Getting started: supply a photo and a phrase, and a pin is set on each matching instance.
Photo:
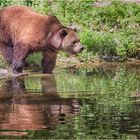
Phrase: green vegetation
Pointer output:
(111, 29)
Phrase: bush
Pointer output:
(111, 29)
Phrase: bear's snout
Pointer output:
(78, 48)
(81, 48)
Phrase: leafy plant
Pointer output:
(111, 29)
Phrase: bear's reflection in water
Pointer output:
(23, 109)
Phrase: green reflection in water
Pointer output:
(109, 104)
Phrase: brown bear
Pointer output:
(23, 31)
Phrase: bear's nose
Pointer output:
(82, 48)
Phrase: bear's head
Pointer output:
(67, 40)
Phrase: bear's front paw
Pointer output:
(17, 70)
(17, 67)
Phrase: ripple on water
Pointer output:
(71, 105)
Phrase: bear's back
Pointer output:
(22, 24)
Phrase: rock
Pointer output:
(139, 55)
(4, 73)
(109, 58)
(102, 3)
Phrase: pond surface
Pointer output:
(97, 103)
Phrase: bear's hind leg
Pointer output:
(7, 52)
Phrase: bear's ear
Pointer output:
(63, 33)
(57, 38)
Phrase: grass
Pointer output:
(104, 30)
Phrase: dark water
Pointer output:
(72, 104)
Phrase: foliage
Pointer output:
(2, 62)
(111, 29)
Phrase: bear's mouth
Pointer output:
(74, 53)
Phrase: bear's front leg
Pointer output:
(19, 57)
(48, 61)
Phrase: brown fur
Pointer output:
(23, 31)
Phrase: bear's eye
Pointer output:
(74, 42)
(63, 33)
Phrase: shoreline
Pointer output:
(67, 63)
(74, 63)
